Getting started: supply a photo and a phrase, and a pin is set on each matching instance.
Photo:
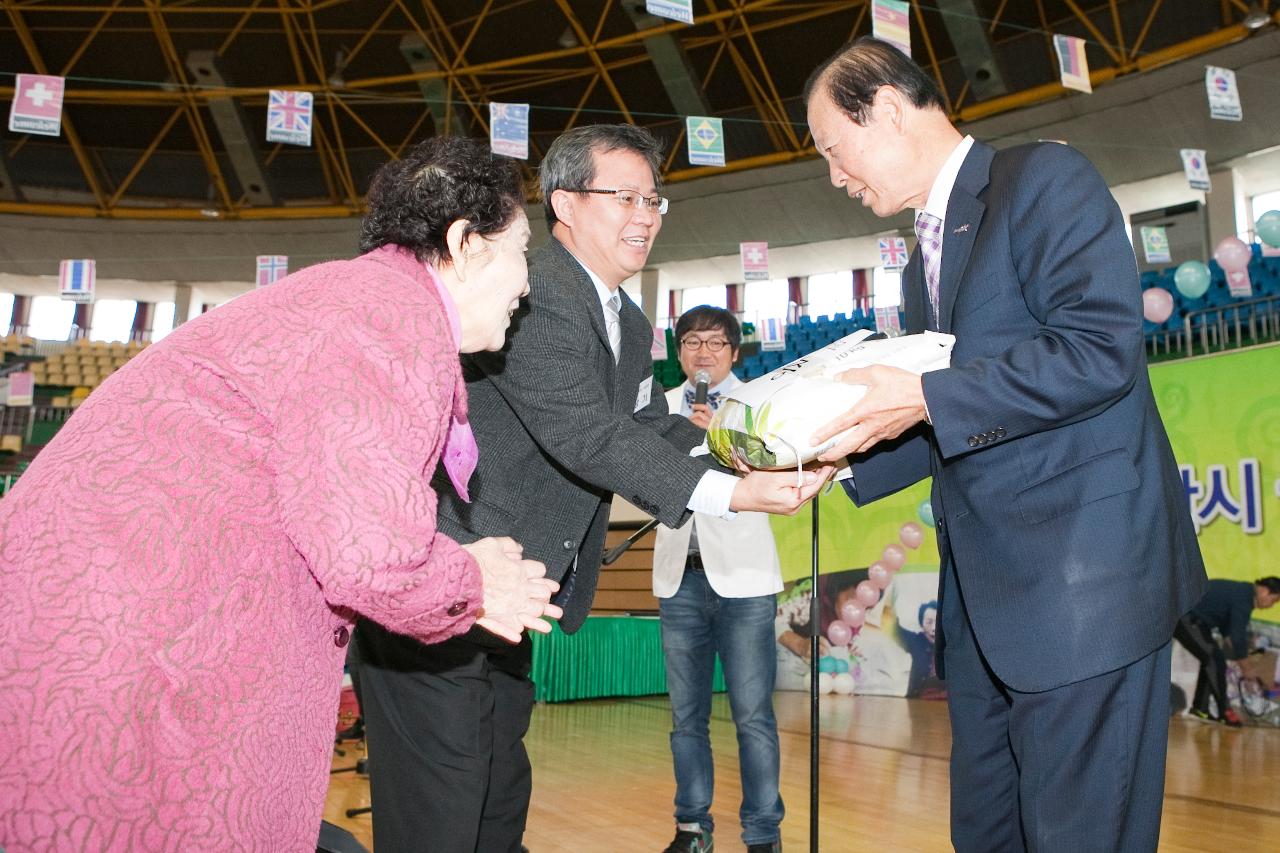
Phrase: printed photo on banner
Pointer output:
(37, 104)
(1224, 96)
(675, 10)
(705, 137)
(891, 22)
(1155, 244)
(1072, 63)
(755, 261)
(272, 268)
(289, 116)
(76, 279)
(1196, 168)
(509, 130)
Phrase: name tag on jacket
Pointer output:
(644, 395)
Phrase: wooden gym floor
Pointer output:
(602, 779)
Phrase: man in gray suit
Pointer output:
(564, 417)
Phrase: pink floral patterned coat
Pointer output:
(180, 567)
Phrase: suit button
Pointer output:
(569, 544)
(1000, 433)
(341, 636)
(973, 441)
(457, 608)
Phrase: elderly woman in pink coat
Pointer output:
(181, 567)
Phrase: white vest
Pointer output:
(739, 555)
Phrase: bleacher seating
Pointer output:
(1264, 274)
(803, 337)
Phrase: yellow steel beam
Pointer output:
(780, 112)
(755, 91)
(363, 126)
(146, 155)
(585, 39)
(933, 58)
(88, 40)
(1116, 27)
(235, 31)
(73, 138)
(1095, 32)
(1146, 25)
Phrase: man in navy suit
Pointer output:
(1066, 546)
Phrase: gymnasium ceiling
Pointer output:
(164, 112)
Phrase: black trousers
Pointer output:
(448, 770)
(1075, 769)
(1197, 638)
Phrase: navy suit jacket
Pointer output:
(1060, 507)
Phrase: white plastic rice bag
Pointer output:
(767, 422)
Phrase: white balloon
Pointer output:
(843, 683)
(824, 682)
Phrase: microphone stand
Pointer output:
(622, 547)
(815, 626)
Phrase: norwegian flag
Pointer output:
(76, 279)
(893, 252)
(272, 268)
(289, 116)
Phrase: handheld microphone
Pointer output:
(701, 380)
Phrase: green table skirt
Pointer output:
(607, 656)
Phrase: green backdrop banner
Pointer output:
(1222, 413)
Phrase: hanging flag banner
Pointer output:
(888, 319)
(659, 347)
(509, 130)
(1238, 283)
(773, 334)
(891, 22)
(22, 389)
(272, 268)
(289, 116)
(1072, 63)
(676, 10)
(37, 104)
(706, 140)
(893, 252)
(76, 280)
(1155, 244)
(1224, 96)
(1196, 167)
(755, 261)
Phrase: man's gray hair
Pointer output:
(569, 163)
(853, 74)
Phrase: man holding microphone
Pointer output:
(717, 581)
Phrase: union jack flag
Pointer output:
(272, 268)
(289, 117)
(893, 253)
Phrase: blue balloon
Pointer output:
(1191, 279)
(926, 511)
(841, 666)
(1269, 228)
(826, 663)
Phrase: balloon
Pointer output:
(824, 682)
(841, 666)
(1232, 253)
(826, 664)
(867, 593)
(925, 511)
(893, 557)
(842, 683)
(879, 575)
(839, 633)
(1269, 228)
(1191, 279)
(853, 614)
(1157, 304)
(911, 534)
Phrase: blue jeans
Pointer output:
(696, 624)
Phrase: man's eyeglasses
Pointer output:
(630, 198)
(695, 344)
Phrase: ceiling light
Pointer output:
(1255, 18)
(568, 39)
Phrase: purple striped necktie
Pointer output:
(929, 233)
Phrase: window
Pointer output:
(716, 296)
(6, 307)
(886, 287)
(1262, 203)
(51, 318)
(161, 320)
(112, 320)
(764, 299)
(831, 293)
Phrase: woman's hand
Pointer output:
(517, 592)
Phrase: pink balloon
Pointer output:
(1232, 253)
(911, 534)
(867, 593)
(894, 557)
(1157, 304)
(879, 575)
(853, 614)
(839, 633)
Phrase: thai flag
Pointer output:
(76, 280)
(272, 268)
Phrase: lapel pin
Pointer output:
(961, 229)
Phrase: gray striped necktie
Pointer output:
(929, 232)
(613, 324)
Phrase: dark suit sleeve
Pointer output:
(1238, 629)
(1077, 275)
(890, 467)
(549, 379)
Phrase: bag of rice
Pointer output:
(766, 423)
